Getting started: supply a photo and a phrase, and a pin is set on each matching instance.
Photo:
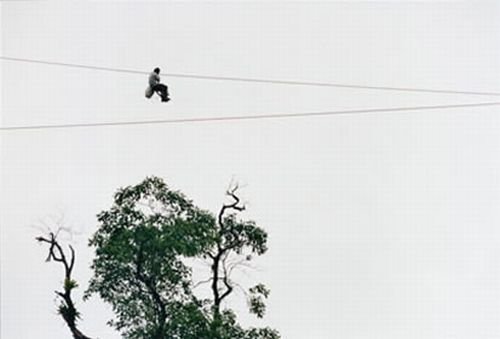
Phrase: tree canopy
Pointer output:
(143, 248)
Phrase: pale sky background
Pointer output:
(381, 225)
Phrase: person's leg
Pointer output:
(163, 91)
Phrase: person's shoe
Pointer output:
(165, 99)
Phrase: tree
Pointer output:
(234, 237)
(140, 265)
(66, 307)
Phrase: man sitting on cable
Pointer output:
(156, 87)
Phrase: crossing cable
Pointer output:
(255, 80)
(247, 117)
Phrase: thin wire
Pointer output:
(248, 117)
(255, 80)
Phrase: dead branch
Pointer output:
(67, 307)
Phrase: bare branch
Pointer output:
(199, 283)
(229, 288)
(226, 280)
(242, 263)
(241, 289)
(72, 258)
(232, 193)
(67, 308)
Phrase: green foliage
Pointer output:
(68, 312)
(262, 333)
(256, 300)
(230, 329)
(238, 235)
(70, 284)
(139, 265)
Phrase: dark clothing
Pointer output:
(162, 90)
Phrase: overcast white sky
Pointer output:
(381, 225)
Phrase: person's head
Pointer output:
(157, 70)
